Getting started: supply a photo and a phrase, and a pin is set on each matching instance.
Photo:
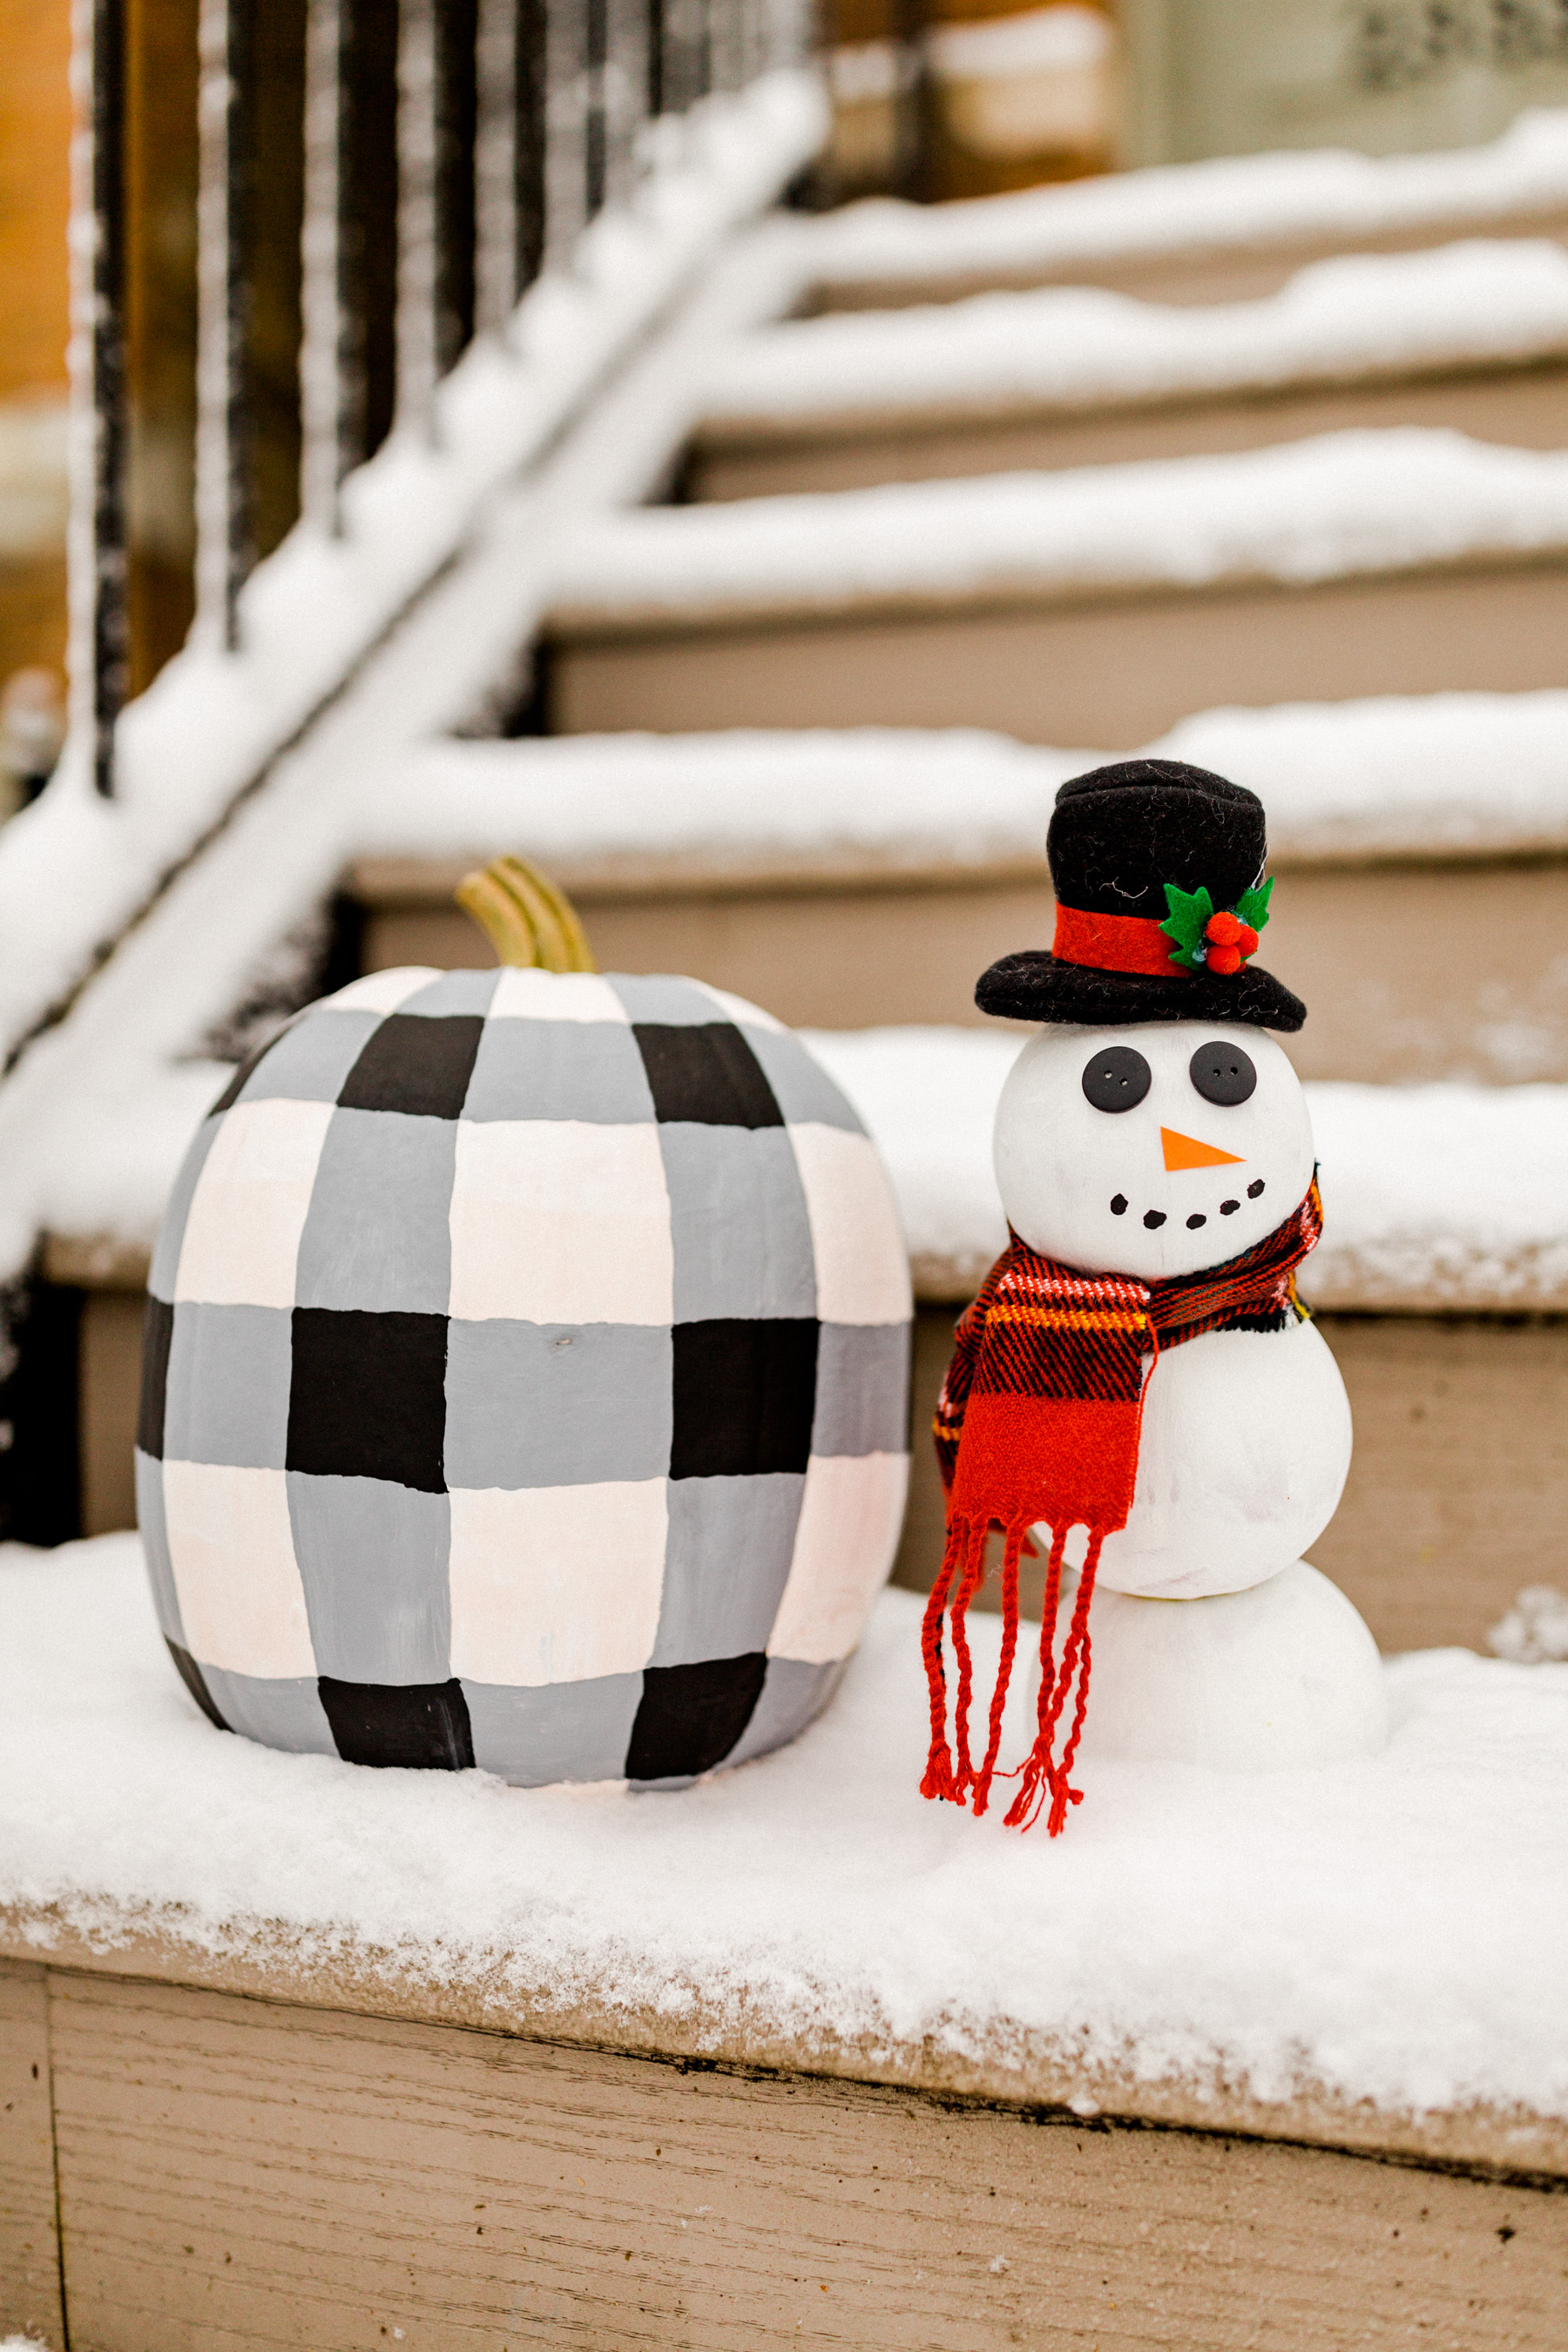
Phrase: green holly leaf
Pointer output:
(1185, 923)
(1252, 907)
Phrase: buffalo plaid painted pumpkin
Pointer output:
(526, 1372)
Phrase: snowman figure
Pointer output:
(1136, 1389)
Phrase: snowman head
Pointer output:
(1154, 1150)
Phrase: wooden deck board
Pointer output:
(1369, 948)
(243, 2173)
(29, 2245)
(743, 457)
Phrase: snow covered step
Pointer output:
(304, 2004)
(1442, 1279)
(1217, 231)
(847, 879)
(1441, 1283)
(1473, 337)
(1096, 606)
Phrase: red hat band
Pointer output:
(1115, 943)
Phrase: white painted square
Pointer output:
(241, 1601)
(241, 1242)
(556, 1584)
(383, 991)
(862, 1266)
(527, 996)
(845, 1541)
(560, 1221)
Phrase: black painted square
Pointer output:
(706, 1074)
(745, 1395)
(157, 1333)
(190, 1675)
(367, 1396)
(422, 1727)
(417, 1065)
(689, 1718)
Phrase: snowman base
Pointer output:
(1283, 1676)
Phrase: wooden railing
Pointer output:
(379, 182)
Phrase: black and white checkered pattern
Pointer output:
(526, 1375)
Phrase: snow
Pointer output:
(1535, 1629)
(1391, 1930)
(1074, 347)
(1232, 200)
(74, 870)
(1332, 505)
(1434, 1198)
(1424, 775)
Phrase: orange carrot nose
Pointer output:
(1186, 1151)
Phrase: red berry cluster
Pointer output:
(1230, 943)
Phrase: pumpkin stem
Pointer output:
(527, 919)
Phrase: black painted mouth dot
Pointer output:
(1228, 1208)
(1254, 1189)
(1194, 1223)
(1154, 1218)
(1118, 1206)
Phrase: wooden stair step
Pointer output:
(1471, 337)
(1091, 607)
(1370, 948)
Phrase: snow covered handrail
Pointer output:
(443, 154)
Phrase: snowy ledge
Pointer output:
(1359, 318)
(1231, 200)
(1332, 507)
(1368, 1957)
(1439, 1199)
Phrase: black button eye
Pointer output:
(1223, 1074)
(1116, 1079)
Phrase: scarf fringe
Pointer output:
(949, 1773)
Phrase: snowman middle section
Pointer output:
(1160, 1150)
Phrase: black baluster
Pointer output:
(109, 633)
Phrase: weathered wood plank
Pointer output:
(237, 2173)
(746, 458)
(1105, 671)
(29, 2245)
(1368, 948)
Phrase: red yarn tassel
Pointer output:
(973, 1575)
(1038, 1763)
(938, 1780)
(1078, 1652)
(1017, 1537)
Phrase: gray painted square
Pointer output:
(802, 1088)
(312, 1057)
(557, 1404)
(562, 1731)
(559, 1069)
(171, 1232)
(741, 1230)
(862, 1389)
(155, 1527)
(454, 991)
(373, 1558)
(377, 1236)
(725, 1565)
(279, 1713)
(658, 996)
(793, 1695)
(227, 1393)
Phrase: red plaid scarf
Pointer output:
(1038, 1420)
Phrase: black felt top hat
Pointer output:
(1158, 872)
